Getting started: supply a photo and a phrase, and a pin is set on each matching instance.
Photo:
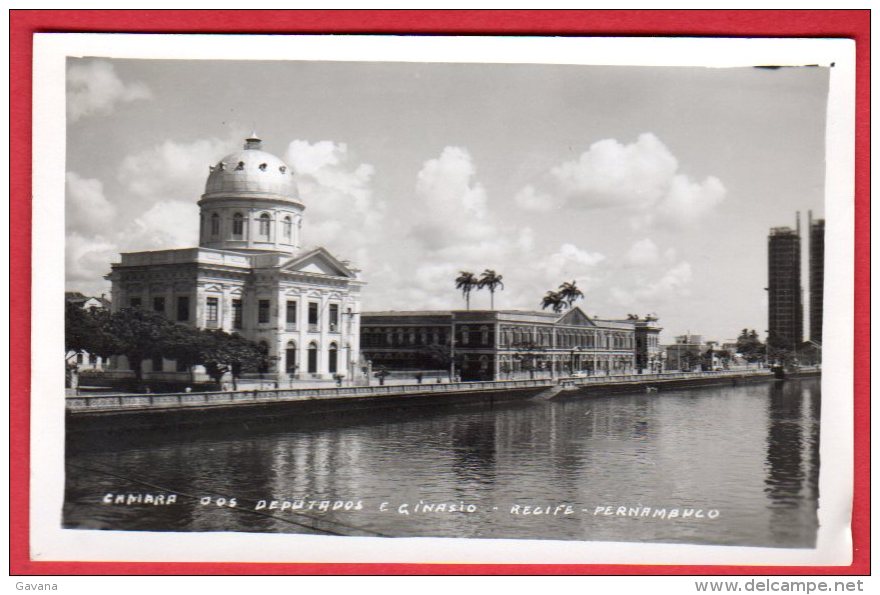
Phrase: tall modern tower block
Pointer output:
(786, 311)
(817, 276)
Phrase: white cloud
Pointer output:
(170, 170)
(674, 283)
(167, 224)
(645, 253)
(94, 88)
(87, 259)
(641, 177)
(531, 199)
(342, 212)
(453, 228)
(611, 173)
(159, 188)
(87, 209)
(452, 208)
(651, 292)
(688, 201)
(445, 185)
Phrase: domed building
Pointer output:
(250, 275)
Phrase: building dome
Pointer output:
(252, 173)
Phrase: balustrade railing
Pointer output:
(81, 403)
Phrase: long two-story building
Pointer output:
(499, 344)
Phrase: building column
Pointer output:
(324, 341)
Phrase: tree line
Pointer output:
(141, 335)
(558, 300)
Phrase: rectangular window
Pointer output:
(263, 311)
(159, 305)
(236, 315)
(313, 316)
(134, 302)
(157, 364)
(334, 318)
(212, 311)
(181, 367)
(183, 308)
(291, 315)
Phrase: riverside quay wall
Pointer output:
(126, 411)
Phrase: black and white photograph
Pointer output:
(562, 304)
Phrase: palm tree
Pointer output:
(570, 293)
(554, 300)
(466, 281)
(492, 280)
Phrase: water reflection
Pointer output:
(750, 452)
(792, 462)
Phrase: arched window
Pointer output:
(332, 359)
(265, 221)
(288, 228)
(465, 335)
(237, 226)
(290, 358)
(484, 335)
(313, 358)
(215, 225)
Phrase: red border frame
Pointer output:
(854, 24)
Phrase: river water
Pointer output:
(727, 465)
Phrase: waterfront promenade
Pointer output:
(154, 402)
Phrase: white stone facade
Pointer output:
(250, 276)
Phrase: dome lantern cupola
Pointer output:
(253, 142)
(251, 202)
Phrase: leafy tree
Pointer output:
(185, 345)
(553, 300)
(570, 292)
(492, 281)
(85, 330)
(466, 282)
(137, 334)
(221, 353)
(749, 345)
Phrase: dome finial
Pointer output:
(253, 141)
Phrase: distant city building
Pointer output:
(82, 360)
(250, 275)
(817, 276)
(499, 344)
(685, 352)
(785, 307)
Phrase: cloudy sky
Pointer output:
(653, 188)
